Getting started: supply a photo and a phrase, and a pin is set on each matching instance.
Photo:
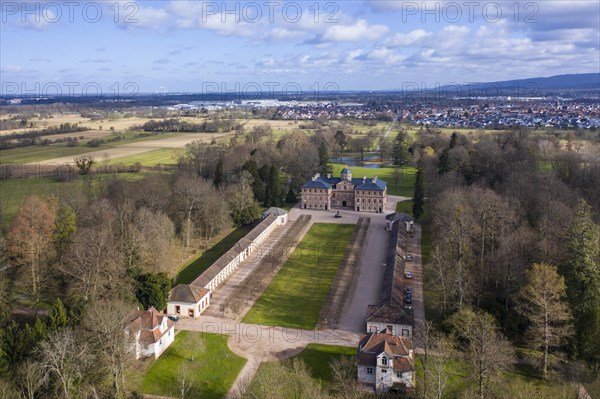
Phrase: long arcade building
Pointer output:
(190, 300)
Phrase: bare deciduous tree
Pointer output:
(112, 344)
(487, 349)
(30, 379)
(543, 303)
(64, 359)
(30, 237)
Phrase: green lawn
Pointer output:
(162, 156)
(14, 191)
(405, 185)
(196, 266)
(318, 358)
(295, 296)
(404, 207)
(204, 357)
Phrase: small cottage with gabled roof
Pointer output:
(386, 361)
(152, 332)
(189, 300)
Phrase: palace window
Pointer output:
(384, 361)
(369, 370)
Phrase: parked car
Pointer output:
(174, 318)
(408, 274)
(408, 299)
(408, 258)
(337, 215)
(409, 290)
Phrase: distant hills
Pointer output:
(533, 86)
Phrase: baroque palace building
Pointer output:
(361, 194)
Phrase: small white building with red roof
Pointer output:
(152, 331)
(386, 361)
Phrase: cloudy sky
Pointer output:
(196, 46)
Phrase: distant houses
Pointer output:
(191, 300)
(361, 194)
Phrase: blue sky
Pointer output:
(194, 46)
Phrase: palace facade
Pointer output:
(361, 194)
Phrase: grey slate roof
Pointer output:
(359, 183)
(391, 307)
(319, 183)
(399, 216)
(187, 293)
(275, 211)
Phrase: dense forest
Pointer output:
(513, 259)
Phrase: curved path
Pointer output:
(259, 343)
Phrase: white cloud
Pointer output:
(360, 30)
(413, 38)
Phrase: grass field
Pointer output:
(205, 358)
(13, 192)
(318, 358)
(295, 296)
(162, 156)
(196, 266)
(40, 153)
(405, 181)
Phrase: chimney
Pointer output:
(329, 175)
(375, 179)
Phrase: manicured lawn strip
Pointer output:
(318, 358)
(196, 266)
(406, 181)
(214, 367)
(295, 296)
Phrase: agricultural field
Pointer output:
(127, 146)
(206, 361)
(295, 296)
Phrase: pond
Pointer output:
(370, 161)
